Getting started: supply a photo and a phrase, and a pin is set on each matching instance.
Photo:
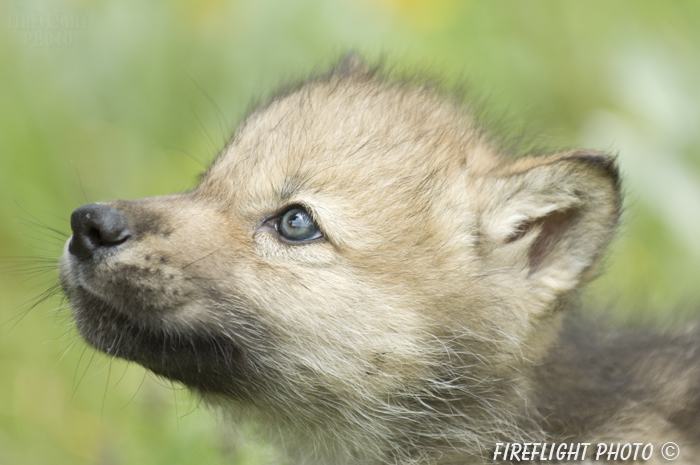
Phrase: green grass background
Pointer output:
(138, 96)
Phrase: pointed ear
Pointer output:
(547, 220)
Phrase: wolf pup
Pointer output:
(365, 274)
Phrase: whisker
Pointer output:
(143, 379)
(77, 367)
(104, 395)
(33, 303)
(80, 182)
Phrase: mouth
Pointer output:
(193, 356)
(131, 302)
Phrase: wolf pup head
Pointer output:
(360, 267)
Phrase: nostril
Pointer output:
(97, 227)
(93, 234)
(106, 237)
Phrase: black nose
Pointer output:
(96, 227)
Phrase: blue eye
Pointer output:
(296, 224)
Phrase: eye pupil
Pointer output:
(296, 224)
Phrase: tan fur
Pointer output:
(424, 327)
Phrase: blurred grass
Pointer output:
(139, 96)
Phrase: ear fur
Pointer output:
(547, 220)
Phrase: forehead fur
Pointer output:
(355, 119)
(348, 141)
